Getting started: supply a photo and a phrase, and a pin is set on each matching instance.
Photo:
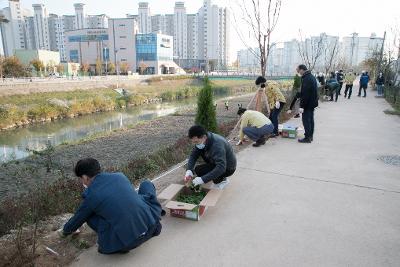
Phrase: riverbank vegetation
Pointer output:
(20, 110)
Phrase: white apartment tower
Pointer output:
(144, 17)
(30, 32)
(80, 16)
(192, 37)
(54, 21)
(158, 24)
(41, 23)
(213, 29)
(356, 49)
(180, 31)
(13, 28)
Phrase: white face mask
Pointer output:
(201, 146)
(85, 186)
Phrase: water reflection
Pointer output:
(13, 143)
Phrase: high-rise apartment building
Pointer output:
(144, 17)
(41, 24)
(13, 28)
(180, 31)
(80, 16)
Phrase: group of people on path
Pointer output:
(334, 84)
(124, 218)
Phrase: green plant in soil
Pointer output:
(206, 115)
(193, 198)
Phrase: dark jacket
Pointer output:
(380, 80)
(121, 215)
(217, 152)
(309, 91)
(364, 79)
(332, 84)
(340, 77)
(321, 79)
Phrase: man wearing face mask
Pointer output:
(122, 218)
(217, 153)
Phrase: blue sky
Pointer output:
(339, 17)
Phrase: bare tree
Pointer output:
(310, 50)
(261, 18)
(331, 52)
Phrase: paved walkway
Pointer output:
(329, 203)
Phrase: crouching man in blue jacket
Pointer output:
(122, 218)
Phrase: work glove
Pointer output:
(239, 143)
(301, 110)
(197, 181)
(277, 105)
(61, 233)
(188, 176)
(289, 111)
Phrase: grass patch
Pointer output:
(392, 112)
(17, 110)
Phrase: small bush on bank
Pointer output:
(206, 114)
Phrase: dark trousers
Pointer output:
(364, 87)
(308, 123)
(146, 189)
(203, 169)
(334, 92)
(275, 116)
(349, 89)
(255, 133)
(340, 87)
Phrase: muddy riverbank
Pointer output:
(112, 150)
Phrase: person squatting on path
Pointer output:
(340, 79)
(333, 86)
(380, 81)
(217, 153)
(350, 78)
(308, 102)
(276, 101)
(122, 218)
(364, 80)
(254, 125)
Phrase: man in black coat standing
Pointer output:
(308, 102)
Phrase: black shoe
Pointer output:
(262, 140)
(358, 95)
(259, 142)
(365, 96)
(273, 135)
(305, 140)
(297, 115)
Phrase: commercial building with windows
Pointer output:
(154, 54)
(86, 46)
(122, 48)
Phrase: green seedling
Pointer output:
(194, 198)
